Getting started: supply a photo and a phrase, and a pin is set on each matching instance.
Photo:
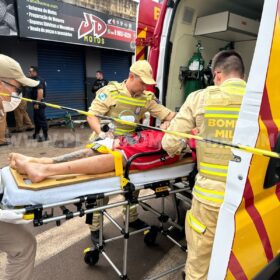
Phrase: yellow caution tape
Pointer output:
(175, 133)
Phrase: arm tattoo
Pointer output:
(73, 156)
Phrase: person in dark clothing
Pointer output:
(23, 121)
(39, 93)
(99, 82)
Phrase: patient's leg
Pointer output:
(16, 156)
(37, 172)
(84, 153)
(63, 158)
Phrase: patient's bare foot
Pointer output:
(16, 156)
(34, 171)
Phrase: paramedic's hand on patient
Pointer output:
(165, 125)
(167, 120)
(10, 216)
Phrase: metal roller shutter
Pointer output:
(115, 65)
(63, 69)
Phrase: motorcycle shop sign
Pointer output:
(62, 22)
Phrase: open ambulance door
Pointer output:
(247, 240)
(247, 236)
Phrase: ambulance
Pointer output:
(187, 35)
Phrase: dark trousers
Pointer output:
(40, 121)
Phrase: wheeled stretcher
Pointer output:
(168, 180)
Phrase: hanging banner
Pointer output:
(8, 25)
(57, 21)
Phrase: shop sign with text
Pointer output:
(57, 21)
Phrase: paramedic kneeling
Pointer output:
(214, 112)
(128, 101)
(15, 240)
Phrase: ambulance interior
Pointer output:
(215, 24)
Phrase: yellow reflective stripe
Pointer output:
(120, 131)
(221, 116)
(225, 167)
(130, 101)
(195, 224)
(224, 112)
(213, 169)
(213, 173)
(207, 194)
(222, 108)
(124, 130)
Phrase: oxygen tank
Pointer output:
(192, 74)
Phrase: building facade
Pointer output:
(69, 41)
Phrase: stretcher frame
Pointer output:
(86, 205)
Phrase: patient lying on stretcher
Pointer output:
(88, 161)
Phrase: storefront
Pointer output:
(69, 44)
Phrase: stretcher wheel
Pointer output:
(91, 256)
(150, 236)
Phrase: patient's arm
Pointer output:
(37, 172)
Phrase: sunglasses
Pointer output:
(18, 89)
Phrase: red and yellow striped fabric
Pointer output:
(256, 239)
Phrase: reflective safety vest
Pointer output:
(127, 108)
(221, 110)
